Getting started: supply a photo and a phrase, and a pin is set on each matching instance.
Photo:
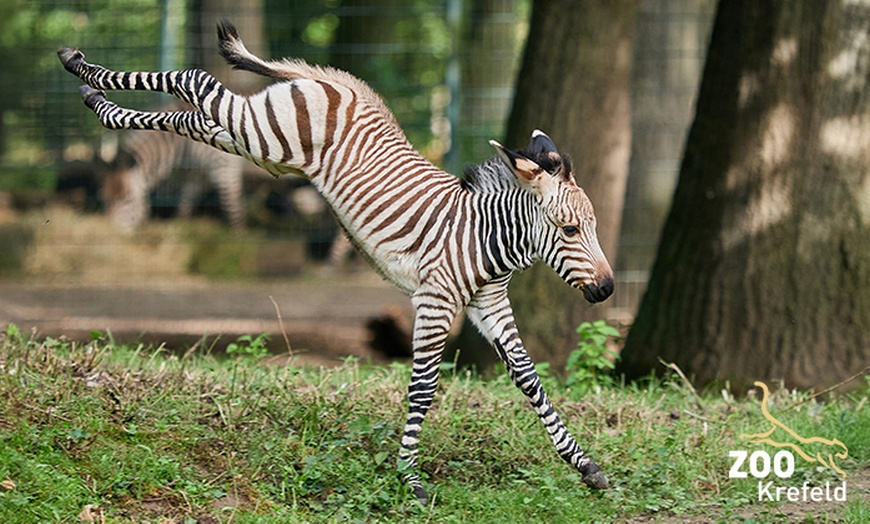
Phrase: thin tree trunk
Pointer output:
(365, 28)
(763, 271)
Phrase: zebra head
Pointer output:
(567, 240)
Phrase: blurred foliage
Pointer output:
(404, 58)
(40, 112)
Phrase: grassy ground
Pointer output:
(105, 432)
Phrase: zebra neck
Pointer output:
(510, 219)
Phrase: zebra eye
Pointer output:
(570, 230)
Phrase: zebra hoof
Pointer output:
(422, 496)
(70, 58)
(91, 96)
(596, 479)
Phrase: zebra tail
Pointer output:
(237, 55)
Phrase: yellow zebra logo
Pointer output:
(786, 437)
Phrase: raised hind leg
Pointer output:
(193, 86)
(211, 124)
(188, 85)
(190, 124)
(491, 312)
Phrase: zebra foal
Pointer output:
(449, 244)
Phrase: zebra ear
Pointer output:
(524, 168)
(540, 143)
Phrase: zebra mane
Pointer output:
(493, 176)
(490, 176)
(234, 51)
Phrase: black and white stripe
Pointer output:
(450, 244)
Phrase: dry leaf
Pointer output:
(91, 513)
(7, 485)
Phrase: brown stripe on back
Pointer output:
(357, 135)
(243, 121)
(286, 153)
(303, 122)
(334, 135)
(230, 118)
(333, 98)
(264, 146)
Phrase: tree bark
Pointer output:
(763, 271)
(574, 84)
(670, 47)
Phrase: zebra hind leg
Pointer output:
(186, 85)
(189, 86)
(189, 124)
(95, 100)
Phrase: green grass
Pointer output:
(148, 436)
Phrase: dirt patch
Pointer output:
(325, 317)
(68, 245)
(78, 274)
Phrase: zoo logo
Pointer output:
(781, 436)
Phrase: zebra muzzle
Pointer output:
(595, 292)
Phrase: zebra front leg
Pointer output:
(491, 312)
(431, 326)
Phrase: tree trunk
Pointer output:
(763, 271)
(669, 51)
(574, 84)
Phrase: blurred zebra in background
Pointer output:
(147, 159)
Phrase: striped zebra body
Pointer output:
(154, 157)
(449, 244)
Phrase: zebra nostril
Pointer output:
(598, 292)
(606, 287)
(590, 293)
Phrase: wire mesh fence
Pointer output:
(445, 67)
(670, 49)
